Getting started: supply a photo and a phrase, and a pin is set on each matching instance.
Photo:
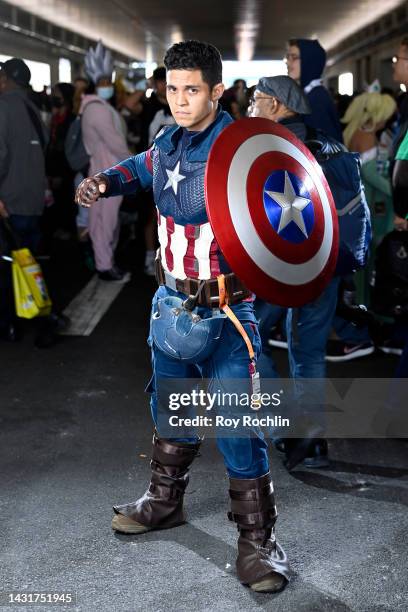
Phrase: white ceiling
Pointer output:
(143, 29)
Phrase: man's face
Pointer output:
(191, 102)
(400, 66)
(260, 105)
(293, 62)
(80, 85)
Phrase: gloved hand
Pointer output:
(90, 190)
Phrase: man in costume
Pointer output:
(190, 259)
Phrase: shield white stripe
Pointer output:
(274, 267)
(202, 250)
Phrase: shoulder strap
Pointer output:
(35, 120)
(89, 104)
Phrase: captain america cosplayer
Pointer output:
(191, 262)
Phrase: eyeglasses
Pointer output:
(398, 57)
(253, 100)
(291, 57)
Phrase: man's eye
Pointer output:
(193, 90)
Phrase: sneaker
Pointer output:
(391, 348)
(114, 275)
(306, 452)
(277, 339)
(150, 268)
(337, 350)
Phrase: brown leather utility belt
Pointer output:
(209, 295)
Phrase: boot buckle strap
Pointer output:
(252, 494)
(253, 519)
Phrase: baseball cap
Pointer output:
(287, 91)
(17, 70)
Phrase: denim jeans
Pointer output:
(27, 230)
(244, 456)
(308, 329)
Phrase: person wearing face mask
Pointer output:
(104, 139)
(60, 217)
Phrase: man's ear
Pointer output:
(275, 105)
(217, 91)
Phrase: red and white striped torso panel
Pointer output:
(188, 250)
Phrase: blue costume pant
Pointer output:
(244, 456)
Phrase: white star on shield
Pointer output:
(174, 177)
(292, 206)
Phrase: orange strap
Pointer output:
(223, 297)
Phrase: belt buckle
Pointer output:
(170, 281)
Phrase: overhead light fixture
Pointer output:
(246, 30)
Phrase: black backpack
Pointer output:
(75, 151)
(342, 171)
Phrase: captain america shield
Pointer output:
(271, 211)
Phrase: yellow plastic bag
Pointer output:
(30, 291)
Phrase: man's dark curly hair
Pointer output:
(196, 55)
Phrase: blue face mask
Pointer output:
(105, 92)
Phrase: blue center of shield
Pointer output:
(288, 206)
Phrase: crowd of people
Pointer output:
(83, 127)
(98, 145)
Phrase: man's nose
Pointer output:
(181, 99)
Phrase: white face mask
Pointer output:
(105, 92)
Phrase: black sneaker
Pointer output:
(306, 452)
(391, 348)
(114, 275)
(337, 350)
(318, 455)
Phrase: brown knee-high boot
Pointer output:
(262, 563)
(161, 506)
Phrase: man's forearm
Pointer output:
(128, 176)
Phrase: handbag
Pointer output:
(30, 291)
(182, 333)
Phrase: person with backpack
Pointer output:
(281, 99)
(104, 139)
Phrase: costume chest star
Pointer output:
(178, 187)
